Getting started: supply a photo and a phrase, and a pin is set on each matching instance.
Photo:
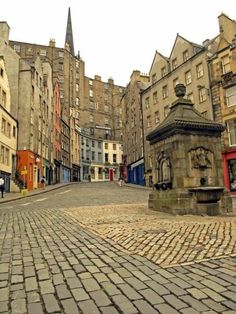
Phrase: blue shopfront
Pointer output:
(136, 172)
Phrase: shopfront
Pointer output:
(229, 168)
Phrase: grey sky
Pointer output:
(116, 37)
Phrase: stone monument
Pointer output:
(187, 162)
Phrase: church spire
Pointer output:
(69, 34)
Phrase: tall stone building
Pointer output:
(85, 102)
(222, 66)
(186, 64)
(101, 110)
(8, 131)
(133, 140)
(30, 82)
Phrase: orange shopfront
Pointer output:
(29, 167)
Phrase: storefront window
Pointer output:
(232, 174)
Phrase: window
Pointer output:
(91, 118)
(163, 71)
(106, 145)
(154, 78)
(157, 117)
(3, 128)
(8, 130)
(93, 143)
(202, 94)
(148, 121)
(43, 52)
(4, 98)
(147, 102)
(106, 108)
(106, 157)
(175, 82)
(114, 146)
(230, 94)
(93, 155)
(231, 128)
(174, 64)
(17, 48)
(90, 82)
(61, 54)
(1, 72)
(114, 158)
(164, 92)
(225, 64)
(188, 77)
(77, 87)
(100, 145)
(2, 154)
(91, 105)
(199, 69)
(106, 121)
(77, 101)
(90, 93)
(99, 157)
(185, 55)
(154, 97)
(14, 131)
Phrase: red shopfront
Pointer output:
(229, 169)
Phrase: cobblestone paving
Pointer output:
(162, 238)
(50, 264)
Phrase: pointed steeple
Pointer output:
(69, 34)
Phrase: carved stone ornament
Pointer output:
(200, 158)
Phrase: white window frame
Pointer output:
(231, 130)
(230, 95)
(225, 62)
(188, 77)
(200, 70)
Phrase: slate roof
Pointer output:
(184, 118)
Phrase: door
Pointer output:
(111, 174)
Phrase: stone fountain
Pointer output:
(187, 162)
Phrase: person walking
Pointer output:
(43, 181)
(2, 187)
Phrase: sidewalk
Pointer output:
(12, 196)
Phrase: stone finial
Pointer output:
(180, 90)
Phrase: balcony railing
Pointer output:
(228, 79)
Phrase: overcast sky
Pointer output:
(115, 37)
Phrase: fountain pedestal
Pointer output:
(187, 162)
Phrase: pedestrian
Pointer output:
(120, 181)
(2, 187)
(43, 182)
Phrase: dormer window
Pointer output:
(163, 71)
(174, 64)
(185, 55)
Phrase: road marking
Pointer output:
(64, 192)
(41, 199)
(25, 204)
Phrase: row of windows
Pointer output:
(188, 76)
(92, 155)
(165, 92)
(7, 129)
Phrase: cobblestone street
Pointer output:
(113, 258)
(160, 237)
